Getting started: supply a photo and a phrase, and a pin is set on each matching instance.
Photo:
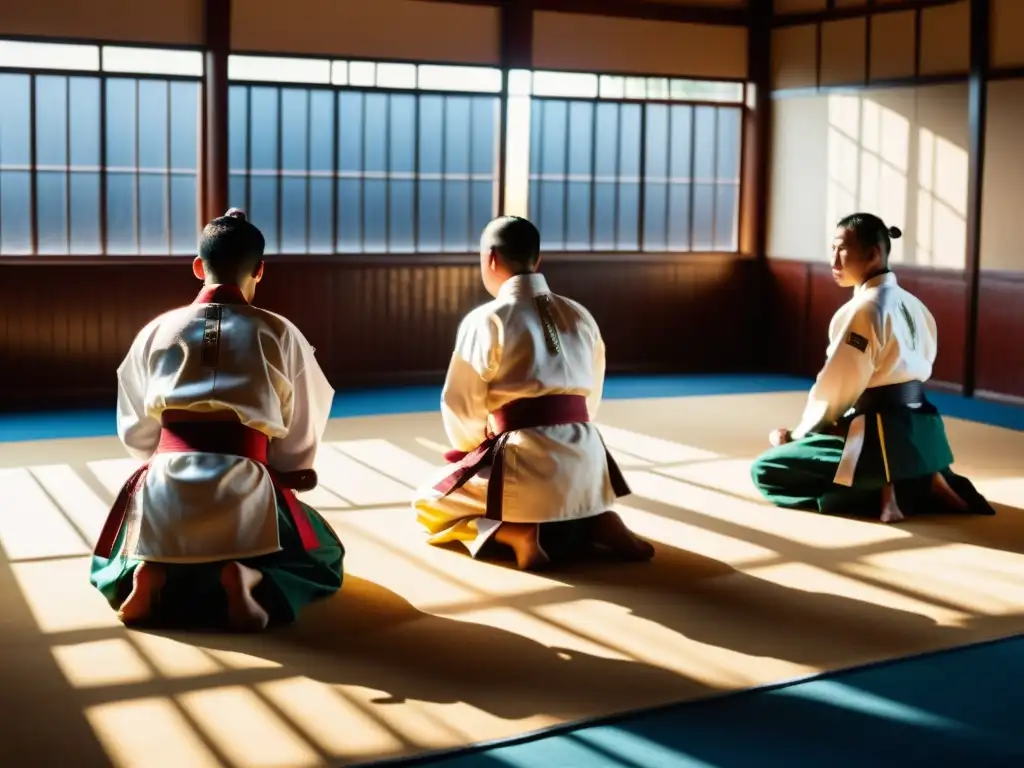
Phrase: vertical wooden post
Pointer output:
(217, 44)
(756, 133)
(754, 176)
(977, 99)
(516, 40)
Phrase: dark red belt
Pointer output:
(527, 413)
(185, 432)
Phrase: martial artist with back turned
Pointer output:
(869, 440)
(226, 404)
(529, 468)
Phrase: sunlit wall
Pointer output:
(844, 140)
(899, 153)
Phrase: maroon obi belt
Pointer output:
(185, 432)
(527, 413)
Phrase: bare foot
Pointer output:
(147, 581)
(891, 512)
(244, 613)
(941, 489)
(524, 540)
(608, 530)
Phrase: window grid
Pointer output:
(584, 85)
(364, 73)
(72, 180)
(394, 171)
(364, 164)
(583, 199)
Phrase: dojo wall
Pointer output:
(66, 323)
(871, 112)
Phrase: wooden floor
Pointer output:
(425, 648)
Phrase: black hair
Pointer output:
(231, 248)
(517, 240)
(871, 231)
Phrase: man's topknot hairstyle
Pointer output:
(231, 248)
(871, 231)
(517, 240)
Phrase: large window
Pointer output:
(100, 148)
(632, 164)
(377, 158)
(98, 163)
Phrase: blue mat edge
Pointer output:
(438, 757)
(54, 425)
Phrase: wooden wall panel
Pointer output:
(799, 6)
(944, 292)
(789, 292)
(795, 57)
(704, 3)
(843, 52)
(169, 22)
(375, 29)
(1000, 353)
(945, 39)
(65, 329)
(804, 297)
(892, 45)
(579, 42)
(1007, 42)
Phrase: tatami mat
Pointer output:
(426, 649)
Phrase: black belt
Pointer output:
(890, 396)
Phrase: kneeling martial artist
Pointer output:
(528, 468)
(869, 438)
(226, 405)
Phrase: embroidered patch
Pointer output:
(543, 305)
(911, 325)
(211, 337)
(857, 341)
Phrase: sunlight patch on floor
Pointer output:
(246, 730)
(149, 733)
(102, 663)
(31, 525)
(799, 528)
(60, 597)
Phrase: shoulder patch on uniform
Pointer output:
(857, 341)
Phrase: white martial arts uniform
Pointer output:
(204, 507)
(882, 336)
(503, 354)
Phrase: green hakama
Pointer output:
(193, 597)
(901, 445)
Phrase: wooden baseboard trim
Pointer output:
(948, 387)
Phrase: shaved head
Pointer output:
(516, 241)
